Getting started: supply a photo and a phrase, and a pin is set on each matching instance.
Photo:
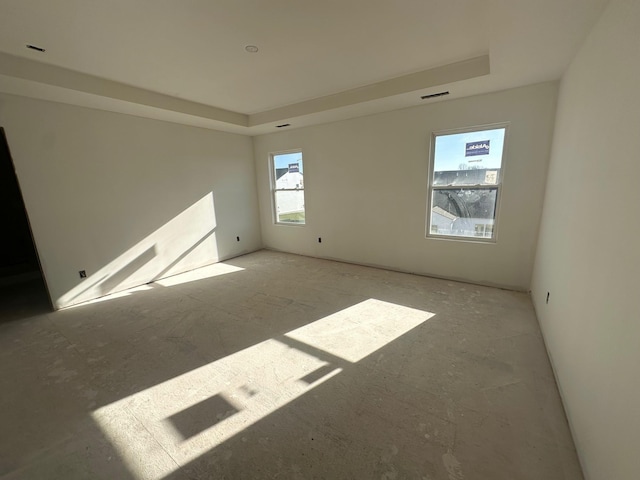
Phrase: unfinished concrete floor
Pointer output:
(278, 366)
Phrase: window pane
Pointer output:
(471, 158)
(468, 212)
(289, 188)
(290, 206)
(475, 176)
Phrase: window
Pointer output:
(288, 187)
(465, 179)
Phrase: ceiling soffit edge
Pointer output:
(433, 77)
(35, 71)
(27, 69)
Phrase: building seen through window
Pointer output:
(288, 188)
(465, 183)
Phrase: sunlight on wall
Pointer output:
(164, 427)
(187, 241)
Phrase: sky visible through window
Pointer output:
(282, 160)
(450, 150)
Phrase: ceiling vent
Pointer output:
(283, 125)
(434, 95)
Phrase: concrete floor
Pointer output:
(278, 366)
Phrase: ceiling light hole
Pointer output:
(251, 49)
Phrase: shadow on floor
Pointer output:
(23, 299)
(467, 394)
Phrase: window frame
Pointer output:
(498, 186)
(272, 183)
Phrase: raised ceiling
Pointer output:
(318, 61)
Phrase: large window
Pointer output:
(287, 184)
(466, 172)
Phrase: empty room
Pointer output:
(319, 240)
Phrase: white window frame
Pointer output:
(498, 186)
(272, 174)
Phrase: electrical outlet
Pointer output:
(82, 273)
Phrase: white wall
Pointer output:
(366, 188)
(589, 256)
(125, 198)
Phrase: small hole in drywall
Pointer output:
(82, 273)
(238, 239)
(319, 239)
(434, 95)
(36, 48)
(548, 297)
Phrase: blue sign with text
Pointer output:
(477, 148)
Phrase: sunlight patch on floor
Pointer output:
(357, 331)
(209, 271)
(113, 296)
(202, 273)
(164, 427)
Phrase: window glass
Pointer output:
(465, 183)
(288, 187)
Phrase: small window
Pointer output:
(288, 188)
(465, 180)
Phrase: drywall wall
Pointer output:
(366, 188)
(588, 257)
(127, 199)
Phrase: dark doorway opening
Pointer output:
(22, 288)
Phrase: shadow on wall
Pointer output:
(187, 241)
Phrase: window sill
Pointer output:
(485, 241)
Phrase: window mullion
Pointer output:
(465, 187)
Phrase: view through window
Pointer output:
(288, 187)
(465, 182)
